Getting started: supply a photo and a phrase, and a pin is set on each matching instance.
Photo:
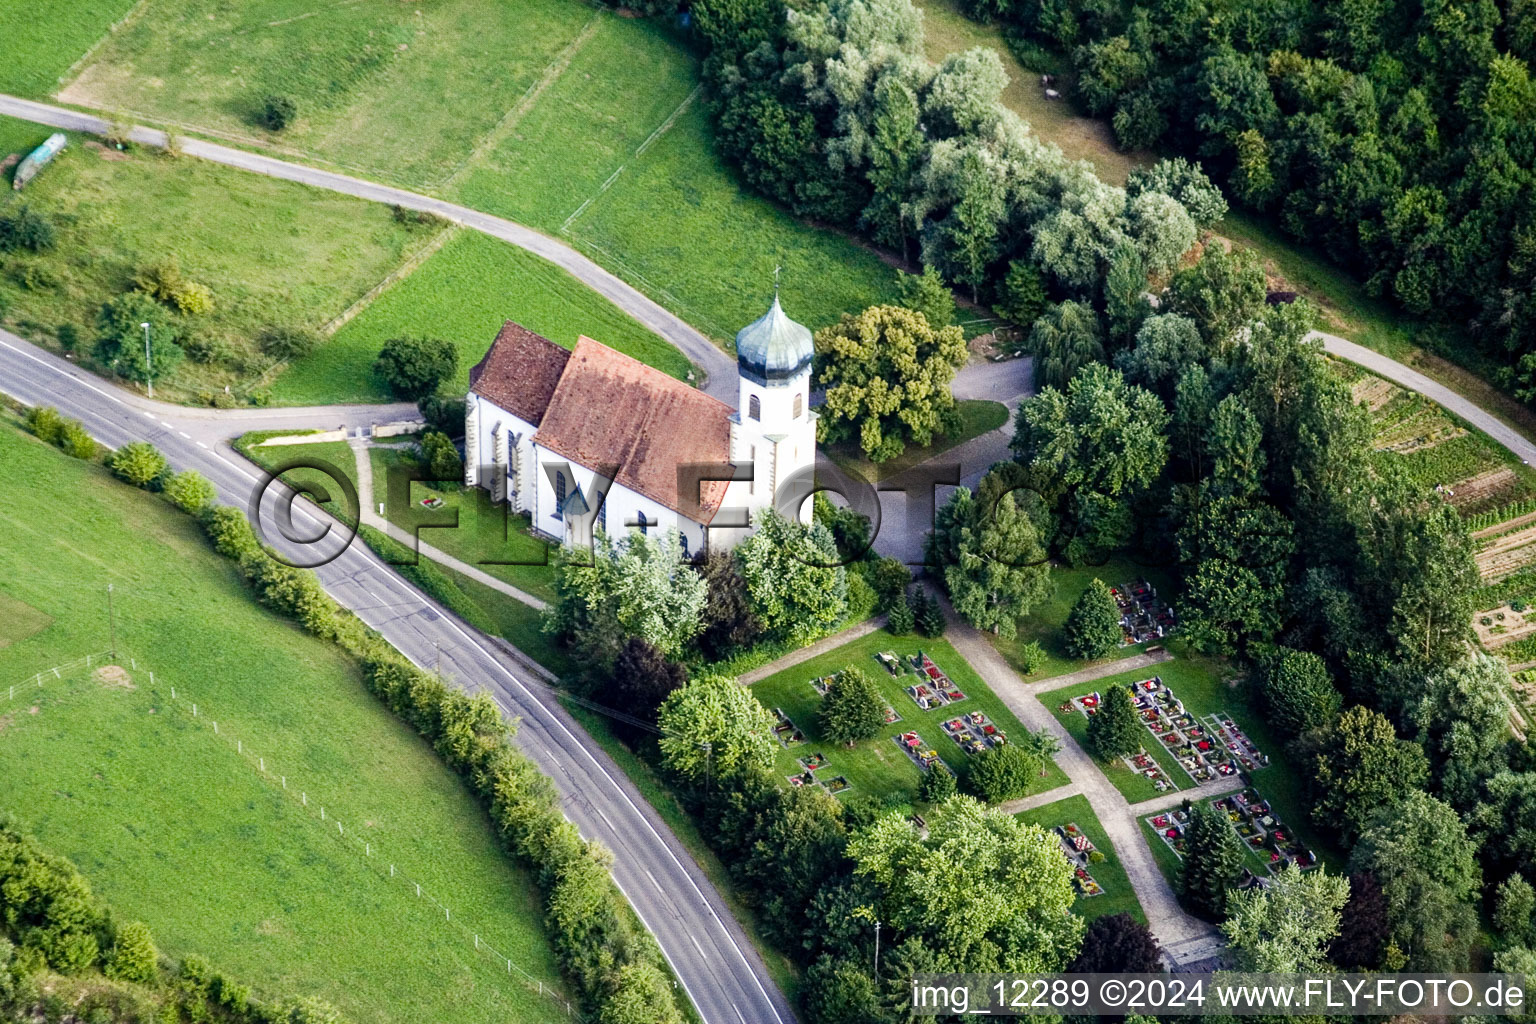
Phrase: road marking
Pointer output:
(696, 945)
(203, 446)
(600, 814)
(738, 1014)
(184, 434)
(653, 881)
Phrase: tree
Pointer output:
(1234, 443)
(992, 561)
(1297, 690)
(964, 243)
(1118, 943)
(936, 785)
(1463, 724)
(441, 456)
(1125, 287)
(120, 337)
(728, 623)
(1161, 229)
(133, 957)
(890, 578)
(1185, 182)
(838, 991)
(1092, 629)
(1220, 294)
(1418, 849)
(983, 890)
(852, 708)
(137, 462)
(1364, 927)
(1358, 767)
(1021, 297)
(26, 228)
(1286, 927)
(926, 293)
(414, 366)
(443, 413)
(1513, 907)
(1505, 819)
(642, 678)
(1115, 729)
(797, 586)
(899, 618)
(1003, 773)
(1063, 341)
(190, 491)
(642, 994)
(277, 112)
(287, 342)
(927, 613)
(713, 727)
(1213, 861)
(1166, 344)
(887, 373)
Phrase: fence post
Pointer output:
(173, 693)
(151, 677)
(194, 710)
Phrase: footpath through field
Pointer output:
(719, 368)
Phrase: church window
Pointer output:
(683, 538)
(799, 405)
(559, 495)
(754, 408)
(641, 522)
(602, 512)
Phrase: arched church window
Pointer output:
(754, 408)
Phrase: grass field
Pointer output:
(334, 455)
(463, 292)
(879, 766)
(585, 113)
(1118, 895)
(39, 41)
(173, 827)
(1044, 622)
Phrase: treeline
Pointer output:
(834, 111)
(65, 956)
(1400, 137)
(614, 966)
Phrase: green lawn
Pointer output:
(977, 416)
(879, 766)
(1118, 895)
(1044, 622)
(463, 292)
(334, 455)
(174, 827)
(273, 252)
(485, 534)
(39, 41)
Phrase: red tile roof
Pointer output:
(519, 372)
(609, 410)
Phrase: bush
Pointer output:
(190, 491)
(68, 335)
(138, 462)
(413, 367)
(229, 531)
(45, 423)
(193, 299)
(926, 293)
(77, 442)
(120, 337)
(203, 347)
(899, 620)
(441, 457)
(936, 786)
(1031, 657)
(1002, 773)
(133, 956)
(26, 228)
(277, 112)
(443, 413)
(1021, 297)
(288, 342)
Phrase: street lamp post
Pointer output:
(877, 951)
(149, 367)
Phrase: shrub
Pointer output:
(229, 531)
(133, 956)
(45, 423)
(441, 457)
(413, 367)
(1031, 657)
(277, 112)
(120, 337)
(193, 299)
(1093, 628)
(77, 442)
(160, 280)
(890, 579)
(203, 347)
(1021, 297)
(936, 786)
(26, 228)
(926, 293)
(443, 413)
(899, 620)
(288, 342)
(190, 491)
(138, 462)
(1002, 773)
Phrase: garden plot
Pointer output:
(1269, 842)
(1506, 552)
(1079, 851)
(933, 688)
(785, 731)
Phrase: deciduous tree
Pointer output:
(713, 727)
(852, 708)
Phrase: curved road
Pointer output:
(711, 956)
(719, 368)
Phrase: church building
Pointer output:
(590, 438)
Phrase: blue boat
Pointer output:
(38, 159)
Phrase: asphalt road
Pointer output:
(707, 949)
(719, 368)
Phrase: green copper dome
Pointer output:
(773, 349)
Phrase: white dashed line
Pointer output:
(696, 945)
(654, 882)
(600, 814)
(184, 434)
(201, 445)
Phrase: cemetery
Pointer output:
(1143, 615)
(1270, 843)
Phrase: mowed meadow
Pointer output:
(571, 119)
(173, 826)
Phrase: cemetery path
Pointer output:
(1109, 668)
(816, 649)
(1177, 931)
